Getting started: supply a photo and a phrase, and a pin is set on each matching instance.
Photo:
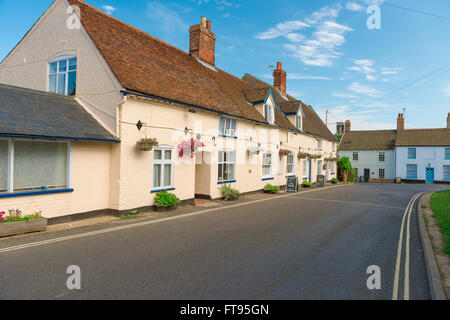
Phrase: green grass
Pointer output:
(440, 204)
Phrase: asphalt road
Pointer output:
(315, 245)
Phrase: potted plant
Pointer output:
(165, 201)
(229, 193)
(334, 181)
(146, 144)
(306, 184)
(15, 223)
(189, 147)
(284, 152)
(271, 189)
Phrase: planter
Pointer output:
(146, 145)
(269, 191)
(8, 229)
(307, 186)
(165, 209)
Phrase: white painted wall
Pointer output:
(433, 157)
(369, 159)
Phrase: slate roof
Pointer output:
(423, 137)
(26, 112)
(369, 140)
(144, 64)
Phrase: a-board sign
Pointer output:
(292, 184)
(320, 181)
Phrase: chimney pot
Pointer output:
(348, 126)
(279, 66)
(279, 78)
(203, 22)
(401, 122)
(208, 25)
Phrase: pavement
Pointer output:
(310, 245)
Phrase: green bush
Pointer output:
(307, 184)
(166, 200)
(351, 175)
(334, 181)
(271, 188)
(228, 193)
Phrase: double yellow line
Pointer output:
(407, 218)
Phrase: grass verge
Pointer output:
(440, 204)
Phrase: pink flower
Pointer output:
(1, 216)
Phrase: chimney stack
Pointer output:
(400, 122)
(347, 126)
(448, 121)
(203, 42)
(279, 78)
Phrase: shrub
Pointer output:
(228, 193)
(307, 184)
(334, 181)
(271, 188)
(166, 200)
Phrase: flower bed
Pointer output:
(15, 223)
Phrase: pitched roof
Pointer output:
(423, 137)
(311, 123)
(147, 65)
(256, 95)
(369, 140)
(26, 112)
(290, 106)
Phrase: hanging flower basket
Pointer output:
(302, 155)
(330, 159)
(285, 152)
(189, 147)
(316, 156)
(147, 144)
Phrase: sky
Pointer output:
(338, 56)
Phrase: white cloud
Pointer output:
(295, 37)
(108, 9)
(164, 17)
(343, 95)
(296, 76)
(326, 12)
(364, 89)
(226, 15)
(446, 89)
(390, 71)
(353, 6)
(282, 29)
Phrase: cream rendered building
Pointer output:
(136, 86)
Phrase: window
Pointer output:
(446, 172)
(227, 127)
(333, 167)
(381, 157)
(3, 165)
(62, 76)
(305, 169)
(381, 173)
(355, 156)
(299, 122)
(447, 153)
(269, 113)
(411, 171)
(267, 165)
(411, 153)
(333, 146)
(162, 168)
(34, 165)
(319, 167)
(227, 166)
(356, 172)
(290, 164)
(319, 145)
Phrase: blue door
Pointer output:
(430, 176)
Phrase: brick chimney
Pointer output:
(203, 42)
(448, 121)
(400, 122)
(347, 126)
(279, 78)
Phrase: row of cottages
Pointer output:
(413, 155)
(95, 86)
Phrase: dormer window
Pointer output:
(299, 121)
(269, 113)
(62, 75)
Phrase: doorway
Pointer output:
(366, 175)
(429, 176)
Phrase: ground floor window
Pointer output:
(411, 171)
(267, 165)
(227, 165)
(162, 168)
(290, 164)
(305, 169)
(381, 173)
(333, 167)
(446, 172)
(319, 167)
(356, 172)
(33, 165)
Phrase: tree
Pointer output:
(348, 173)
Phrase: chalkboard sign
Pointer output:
(321, 181)
(292, 184)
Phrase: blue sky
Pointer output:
(332, 59)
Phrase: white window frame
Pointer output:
(162, 162)
(319, 145)
(446, 169)
(357, 156)
(299, 121)
(319, 167)
(227, 127)
(415, 153)
(66, 73)
(10, 175)
(264, 164)
(411, 165)
(333, 167)
(381, 176)
(269, 108)
(333, 146)
(231, 154)
(292, 172)
(305, 169)
(381, 155)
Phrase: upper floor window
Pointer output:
(355, 156)
(381, 157)
(269, 113)
(62, 76)
(319, 145)
(227, 127)
(333, 147)
(447, 153)
(411, 153)
(299, 122)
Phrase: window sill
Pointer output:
(225, 136)
(227, 181)
(290, 175)
(267, 179)
(163, 189)
(411, 178)
(34, 193)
